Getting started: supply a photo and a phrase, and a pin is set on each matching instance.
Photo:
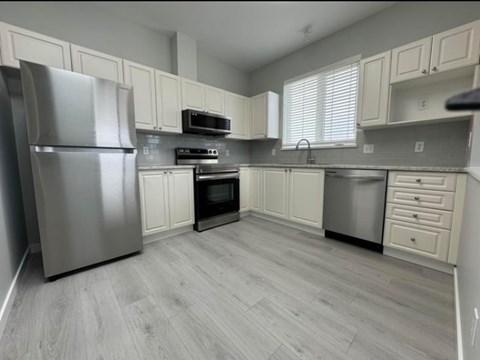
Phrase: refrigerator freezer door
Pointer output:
(69, 109)
(88, 206)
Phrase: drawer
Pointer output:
(420, 240)
(420, 215)
(424, 198)
(419, 180)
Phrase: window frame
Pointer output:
(338, 64)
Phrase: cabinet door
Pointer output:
(244, 189)
(142, 78)
(154, 201)
(193, 95)
(180, 193)
(256, 189)
(373, 90)
(236, 108)
(20, 44)
(455, 48)
(94, 63)
(214, 100)
(275, 190)
(259, 116)
(306, 196)
(411, 61)
(169, 106)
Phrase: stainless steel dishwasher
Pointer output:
(354, 206)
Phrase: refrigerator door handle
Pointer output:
(55, 149)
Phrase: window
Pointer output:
(321, 106)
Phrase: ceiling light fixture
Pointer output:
(306, 33)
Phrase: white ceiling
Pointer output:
(245, 34)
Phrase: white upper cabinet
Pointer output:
(94, 63)
(236, 108)
(169, 103)
(214, 100)
(20, 44)
(265, 116)
(193, 95)
(411, 61)
(374, 90)
(142, 78)
(456, 48)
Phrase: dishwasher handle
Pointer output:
(362, 177)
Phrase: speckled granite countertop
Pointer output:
(164, 167)
(323, 166)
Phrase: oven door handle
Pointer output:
(217, 177)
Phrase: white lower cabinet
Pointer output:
(244, 189)
(256, 189)
(275, 192)
(306, 196)
(418, 239)
(166, 199)
(290, 194)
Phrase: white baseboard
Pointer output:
(166, 234)
(306, 228)
(9, 299)
(419, 260)
(35, 248)
(457, 316)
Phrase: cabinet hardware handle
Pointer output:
(418, 180)
(159, 128)
(286, 170)
(415, 216)
(165, 172)
(264, 135)
(412, 239)
(434, 68)
(417, 198)
(424, 71)
(290, 170)
(170, 172)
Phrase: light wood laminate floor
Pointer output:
(248, 290)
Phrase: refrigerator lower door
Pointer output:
(87, 204)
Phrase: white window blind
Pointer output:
(321, 106)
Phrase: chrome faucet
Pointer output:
(310, 158)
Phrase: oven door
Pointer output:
(216, 194)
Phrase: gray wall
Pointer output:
(161, 148)
(397, 25)
(13, 236)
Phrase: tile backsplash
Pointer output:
(161, 148)
(445, 144)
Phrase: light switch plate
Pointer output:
(368, 148)
(273, 152)
(419, 146)
(145, 150)
(227, 152)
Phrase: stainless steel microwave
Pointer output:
(198, 122)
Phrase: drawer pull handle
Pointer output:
(415, 216)
(417, 198)
(412, 239)
(418, 180)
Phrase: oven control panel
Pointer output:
(194, 153)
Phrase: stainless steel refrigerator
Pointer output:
(81, 133)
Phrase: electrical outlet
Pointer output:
(273, 152)
(227, 152)
(423, 104)
(474, 328)
(368, 148)
(419, 146)
(145, 150)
